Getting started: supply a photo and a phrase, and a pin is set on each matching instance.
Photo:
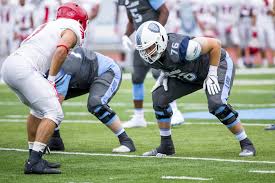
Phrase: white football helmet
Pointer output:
(149, 34)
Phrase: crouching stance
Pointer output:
(189, 64)
(85, 71)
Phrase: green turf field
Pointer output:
(204, 148)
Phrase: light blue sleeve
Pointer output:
(156, 4)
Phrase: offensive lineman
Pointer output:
(189, 64)
(139, 11)
(45, 49)
(85, 71)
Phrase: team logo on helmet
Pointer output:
(154, 27)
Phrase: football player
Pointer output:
(139, 11)
(187, 65)
(45, 49)
(83, 72)
(24, 23)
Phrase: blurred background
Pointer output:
(246, 28)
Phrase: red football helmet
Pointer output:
(73, 11)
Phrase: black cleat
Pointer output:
(165, 149)
(39, 167)
(52, 164)
(56, 144)
(126, 145)
(247, 147)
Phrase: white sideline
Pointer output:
(185, 178)
(137, 156)
(150, 123)
(262, 171)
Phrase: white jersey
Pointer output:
(40, 46)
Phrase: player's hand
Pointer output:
(162, 80)
(62, 85)
(52, 82)
(211, 81)
(127, 43)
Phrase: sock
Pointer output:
(241, 135)
(30, 147)
(56, 133)
(122, 136)
(39, 147)
(139, 112)
(164, 132)
(174, 106)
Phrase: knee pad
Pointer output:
(227, 115)
(163, 114)
(104, 113)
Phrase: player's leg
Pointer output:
(163, 112)
(219, 107)
(138, 76)
(177, 117)
(36, 92)
(56, 142)
(101, 92)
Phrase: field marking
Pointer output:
(262, 171)
(138, 156)
(146, 104)
(185, 178)
(148, 122)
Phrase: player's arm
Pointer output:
(130, 26)
(163, 14)
(204, 45)
(68, 40)
(208, 45)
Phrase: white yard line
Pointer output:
(262, 171)
(185, 178)
(137, 156)
(187, 105)
(23, 120)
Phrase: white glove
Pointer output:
(162, 80)
(211, 81)
(127, 43)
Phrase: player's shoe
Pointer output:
(177, 118)
(56, 144)
(270, 127)
(135, 122)
(126, 145)
(247, 148)
(39, 167)
(52, 164)
(165, 149)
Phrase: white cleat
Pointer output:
(135, 122)
(177, 118)
(121, 149)
(153, 152)
(246, 153)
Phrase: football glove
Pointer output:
(162, 80)
(211, 82)
(127, 43)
